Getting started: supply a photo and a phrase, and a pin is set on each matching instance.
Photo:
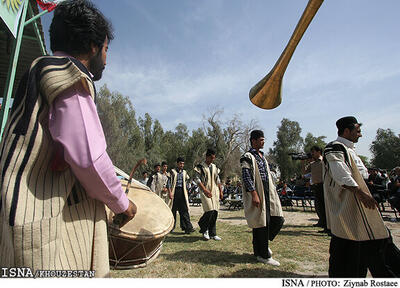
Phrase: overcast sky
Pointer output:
(178, 59)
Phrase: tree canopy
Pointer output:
(385, 149)
(311, 141)
(288, 141)
(130, 138)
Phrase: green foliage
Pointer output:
(311, 141)
(288, 141)
(129, 139)
(364, 159)
(152, 133)
(122, 133)
(385, 149)
(196, 146)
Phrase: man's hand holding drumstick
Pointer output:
(129, 214)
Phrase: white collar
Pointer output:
(346, 142)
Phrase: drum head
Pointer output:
(153, 218)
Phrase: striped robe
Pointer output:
(209, 178)
(347, 217)
(165, 195)
(47, 220)
(157, 183)
(257, 217)
(174, 177)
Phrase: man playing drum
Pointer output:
(56, 173)
(209, 182)
(179, 196)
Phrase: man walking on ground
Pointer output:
(211, 193)
(155, 180)
(359, 234)
(261, 202)
(166, 183)
(317, 186)
(179, 196)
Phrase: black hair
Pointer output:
(76, 25)
(180, 159)
(144, 172)
(316, 148)
(348, 122)
(210, 152)
(156, 165)
(256, 134)
(350, 127)
(163, 163)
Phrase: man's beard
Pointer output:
(96, 66)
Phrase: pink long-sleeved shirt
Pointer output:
(74, 122)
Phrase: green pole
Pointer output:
(34, 18)
(5, 106)
(35, 27)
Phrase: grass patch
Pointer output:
(301, 250)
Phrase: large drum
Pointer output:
(140, 240)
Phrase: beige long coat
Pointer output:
(165, 195)
(210, 179)
(174, 174)
(47, 220)
(257, 216)
(157, 183)
(346, 216)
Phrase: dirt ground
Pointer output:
(300, 218)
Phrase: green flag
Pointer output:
(10, 13)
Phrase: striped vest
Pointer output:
(257, 217)
(209, 177)
(346, 216)
(47, 221)
(174, 177)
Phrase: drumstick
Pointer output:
(120, 218)
(144, 161)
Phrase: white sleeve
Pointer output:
(339, 171)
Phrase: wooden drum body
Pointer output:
(140, 240)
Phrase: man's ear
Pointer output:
(94, 49)
(346, 132)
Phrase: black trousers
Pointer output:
(351, 259)
(318, 190)
(208, 222)
(262, 235)
(180, 205)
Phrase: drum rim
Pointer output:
(114, 263)
(114, 231)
